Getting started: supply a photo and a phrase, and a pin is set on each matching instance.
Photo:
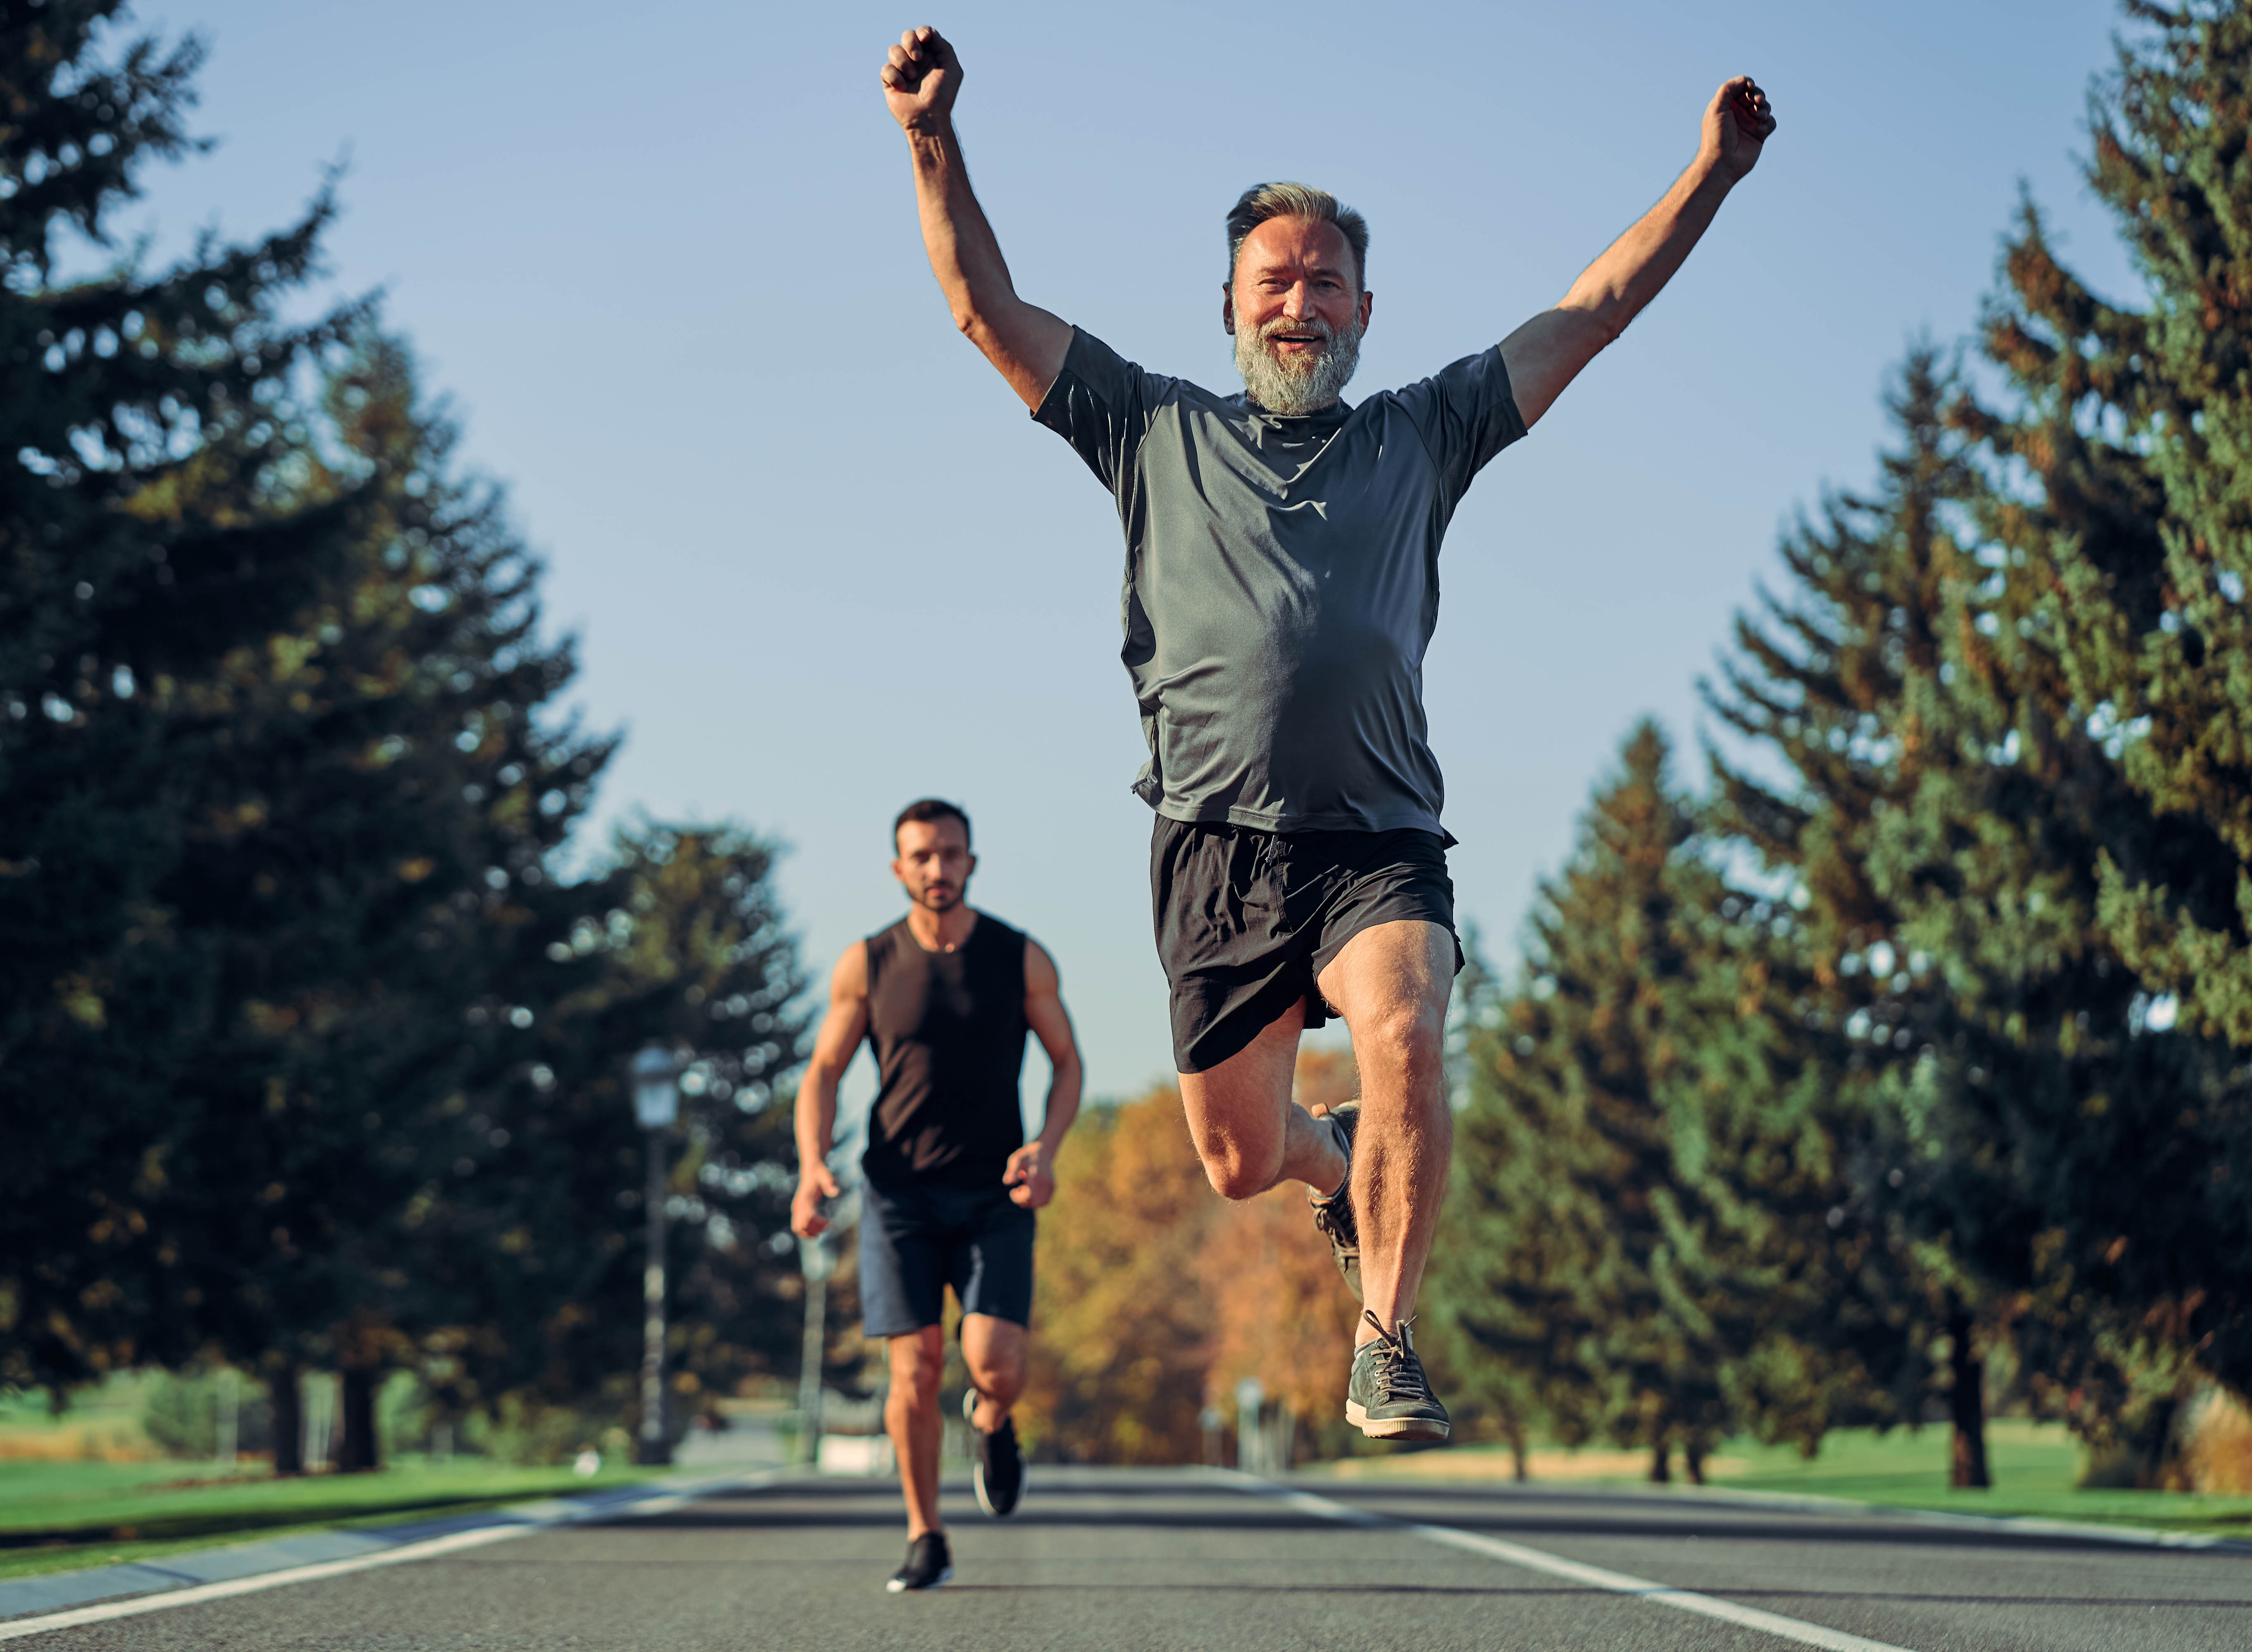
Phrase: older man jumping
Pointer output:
(1281, 556)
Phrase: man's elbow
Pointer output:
(1599, 324)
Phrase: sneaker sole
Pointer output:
(985, 1502)
(1395, 1427)
(897, 1588)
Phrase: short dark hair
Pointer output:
(929, 809)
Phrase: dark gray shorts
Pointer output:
(1247, 919)
(919, 1238)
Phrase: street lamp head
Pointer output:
(655, 1087)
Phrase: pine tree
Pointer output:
(527, 1246)
(1583, 1260)
(140, 543)
(2103, 654)
(1844, 684)
(353, 872)
(2135, 424)
(2020, 1134)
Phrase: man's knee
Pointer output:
(999, 1374)
(1235, 1174)
(918, 1362)
(1409, 1037)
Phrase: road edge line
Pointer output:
(423, 1549)
(2127, 1536)
(1795, 1629)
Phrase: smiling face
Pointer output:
(935, 862)
(1297, 311)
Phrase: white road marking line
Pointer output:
(429, 1548)
(1596, 1576)
(103, 1612)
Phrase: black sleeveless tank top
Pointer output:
(948, 1031)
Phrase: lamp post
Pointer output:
(817, 1257)
(1248, 1457)
(656, 1103)
(813, 1256)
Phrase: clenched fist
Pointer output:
(815, 1183)
(1738, 123)
(921, 77)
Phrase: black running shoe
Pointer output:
(927, 1565)
(996, 1467)
(1388, 1397)
(1333, 1211)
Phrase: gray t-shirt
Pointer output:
(1282, 583)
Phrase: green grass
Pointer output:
(56, 1516)
(2035, 1468)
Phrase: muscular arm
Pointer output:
(841, 1028)
(1548, 351)
(1031, 1173)
(921, 78)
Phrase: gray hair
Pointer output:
(1262, 201)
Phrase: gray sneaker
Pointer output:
(1333, 1211)
(1388, 1397)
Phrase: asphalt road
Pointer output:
(1124, 1561)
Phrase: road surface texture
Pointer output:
(1131, 1561)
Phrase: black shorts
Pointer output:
(1248, 919)
(920, 1238)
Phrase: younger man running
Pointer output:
(944, 997)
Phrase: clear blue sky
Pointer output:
(664, 259)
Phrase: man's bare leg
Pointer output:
(994, 1350)
(1391, 984)
(1247, 1131)
(911, 1418)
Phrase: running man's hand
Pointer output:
(815, 1184)
(921, 77)
(1028, 1178)
(1738, 122)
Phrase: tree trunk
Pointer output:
(1661, 1464)
(288, 1421)
(1968, 1402)
(1519, 1469)
(358, 1450)
(1692, 1458)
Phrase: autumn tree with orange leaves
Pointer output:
(1154, 1297)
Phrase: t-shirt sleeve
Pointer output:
(1465, 414)
(1100, 404)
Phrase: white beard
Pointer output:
(1297, 386)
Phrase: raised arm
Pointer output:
(921, 78)
(842, 1029)
(1031, 1174)
(1548, 351)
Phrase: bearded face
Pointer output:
(1295, 367)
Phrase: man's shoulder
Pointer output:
(877, 950)
(999, 928)
(1094, 362)
(889, 933)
